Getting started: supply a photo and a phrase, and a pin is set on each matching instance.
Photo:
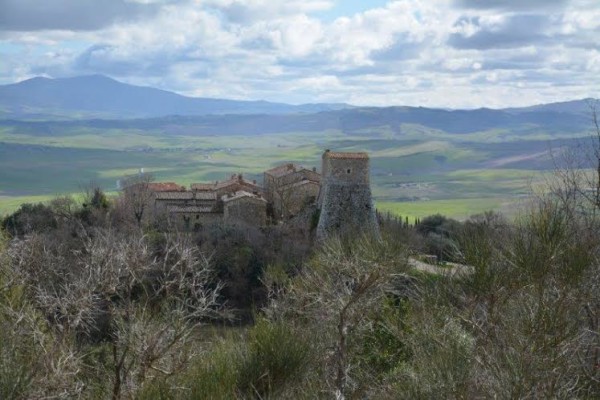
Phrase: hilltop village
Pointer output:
(341, 194)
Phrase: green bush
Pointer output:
(382, 348)
(271, 360)
(214, 375)
(30, 218)
(442, 355)
(274, 358)
(16, 367)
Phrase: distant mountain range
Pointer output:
(98, 96)
(57, 133)
(350, 121)
(47, 105)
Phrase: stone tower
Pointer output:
(345, 197)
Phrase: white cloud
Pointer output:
(251, 11)
(427, 52)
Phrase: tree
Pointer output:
(111, 304)
(576, 180)
(284, 194)
(30, 218)
(137, 196)
(330, 300)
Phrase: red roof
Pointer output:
(235, 180)
(174, 195)
(203, 186)
(242, 194)
(282, 170)
(165, 187)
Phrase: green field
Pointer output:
(416, 173)
(455, 208)
(11, 203)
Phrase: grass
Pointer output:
(454, 208)
(415, 170)
(9, 204)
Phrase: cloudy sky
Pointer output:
(442, 53)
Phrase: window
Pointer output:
(348, 171)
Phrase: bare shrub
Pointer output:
(330, 299)
(111, 288)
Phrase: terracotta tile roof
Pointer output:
(186, 196)
(236, 181)
(224, 184)
(309, 175)
(241, 194)
(205, 187)
(165, 187)
(174, 195)
(205, 195)
(300, 183)
(282, 170)
(342, 155)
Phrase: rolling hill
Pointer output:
(57, 134)
(349, 121)
(98, 96)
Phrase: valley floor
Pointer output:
(414, 172)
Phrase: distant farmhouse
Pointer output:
(341, 193)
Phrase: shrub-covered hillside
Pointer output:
(94, 306)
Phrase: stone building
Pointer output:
(234, 200)
(188, 209)
(290, 187)
(298, 195)
(231, 185)
(244, 208)
(342, 194)
(193, 217)
(161, 186)
(345, 198)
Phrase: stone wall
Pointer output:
(353, 170)
(290, 187)
(297, 176)
(345, 200)
(291, 199)
(248, 210)
(187, 221)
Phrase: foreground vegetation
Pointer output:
(93, 305)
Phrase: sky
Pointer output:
(431, 53)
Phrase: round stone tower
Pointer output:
(345, 197)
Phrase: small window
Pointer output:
(348, 170)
